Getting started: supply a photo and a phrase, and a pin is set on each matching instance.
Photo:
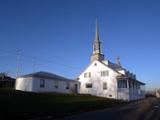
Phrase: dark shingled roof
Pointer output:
(45, 75)
(115, 66)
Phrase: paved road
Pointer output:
(148, 109)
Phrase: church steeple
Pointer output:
(97, 32)
(97, 53)
(97, 43)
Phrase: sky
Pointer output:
(57, 35)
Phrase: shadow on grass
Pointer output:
(27, 105)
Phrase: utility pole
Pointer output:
(18, 54)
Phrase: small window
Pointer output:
(104, 86)
(42, 83)
(123, 84)
(95, 47)
(79, 85)
(88, 85)
(56, 84)
(110, 95)
(87, 75)
(95, 64)
(105, 73)
(67, 85)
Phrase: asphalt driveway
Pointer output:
(147, 109)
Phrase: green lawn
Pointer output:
(25, 105)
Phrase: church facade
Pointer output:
(107, 79)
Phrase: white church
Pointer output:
(106, 79)
(101, 78)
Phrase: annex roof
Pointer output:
(46, 75)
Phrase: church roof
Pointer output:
(45, 75)
(115, 66)
(112, 67)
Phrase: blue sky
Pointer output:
(58, 35)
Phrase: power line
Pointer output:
(35, 61)
(44, 60)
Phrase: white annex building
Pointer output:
(107, 79)
(46, 82)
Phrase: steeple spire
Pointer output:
(97, 31)
(97, 53)
(97, 43)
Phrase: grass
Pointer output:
(26, 105)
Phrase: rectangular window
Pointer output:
(88, 85)
(104, 86)
(56, 84)
(105, 73)
(67, 85)
(122, 84)
(87, 75)
(42, 83)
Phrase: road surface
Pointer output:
(148, 109)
